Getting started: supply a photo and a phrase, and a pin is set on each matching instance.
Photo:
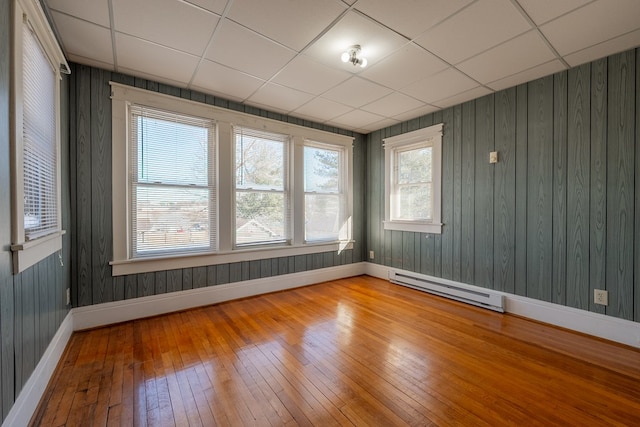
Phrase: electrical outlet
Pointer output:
(601, 297)
(68, 296)
(371, 255)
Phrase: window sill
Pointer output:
(173, 262)
(30, 253)
(416, 227)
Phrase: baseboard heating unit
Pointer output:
(448, 289)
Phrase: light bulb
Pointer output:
(345, 57)
(363, 62)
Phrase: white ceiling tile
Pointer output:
(445, 84)
(170, 23)
(151, 77)
(90, 62)
(392, 105)
(310, 76)
(608, 18)
(377, 125)
(280, 97)
(356, 92)
(376, 41)
(84, 39)
(475, 29)
(356, 119)
(249, 52)
(96, 11)
(514, 56)
(141, 55)
(410, 17)
(528, 75)
(542, 11)
(624, 42)
(215, 6)
(292, 23)
(322, 109)
(403, 67)
(462, 97)
(418, 112)
(221, 80)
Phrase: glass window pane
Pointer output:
(321, 170)
(414, 166)
(259, 163)
(171, 218)
(322, 217)
(260, 217)
(171, 152)
(415, 202)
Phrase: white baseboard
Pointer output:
(29, 398)
(121, 311)
(595, 324)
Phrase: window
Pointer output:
(172, 182)
(197, 185)
(413, 181)
(324, 184)
(37, 231)
(261, 187)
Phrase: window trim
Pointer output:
(28, 253)
(122, 96)
(431, 135)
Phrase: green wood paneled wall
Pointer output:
(558, 215)
(91, 193)
(33, 303)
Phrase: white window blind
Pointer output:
(323, 192)
(172, 176)
(40, 155)
(262, 205)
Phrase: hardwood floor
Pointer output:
(357, 351)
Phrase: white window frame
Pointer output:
(123, 96)
(427, 137)
(27, 253)
(344, 187)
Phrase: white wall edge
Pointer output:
(121, 311)
(607, 327)
(33, 390)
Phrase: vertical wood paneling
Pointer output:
(598, 184)
(212, 275)
(161, 282)
(83, 262)
(408, 257)
(17, 332)
(146, 284)
(447, 193)
(222, 274)
(437, 261)
(559, 291)
(636, 276)
(187, 278)
(540, 189)
(101, 236)
(457, 192)
(427, 249)
(620, 183)
(28, 326)
(7, 343)
(468, 197)
(578, 162)
(522, 142)
(484, 183)
(174, 280)
(131, 286)
(199, 277)
(505, 191)
(396, 249)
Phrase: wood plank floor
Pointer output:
(357, 351)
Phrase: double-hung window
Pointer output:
(35, 93)
(324, 192)
(413, 181)
(261, 187)
(172, 182)
(197, 185)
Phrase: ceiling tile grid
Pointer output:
(284, 55)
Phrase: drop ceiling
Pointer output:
(284, 55)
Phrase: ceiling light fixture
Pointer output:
(353, 55)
